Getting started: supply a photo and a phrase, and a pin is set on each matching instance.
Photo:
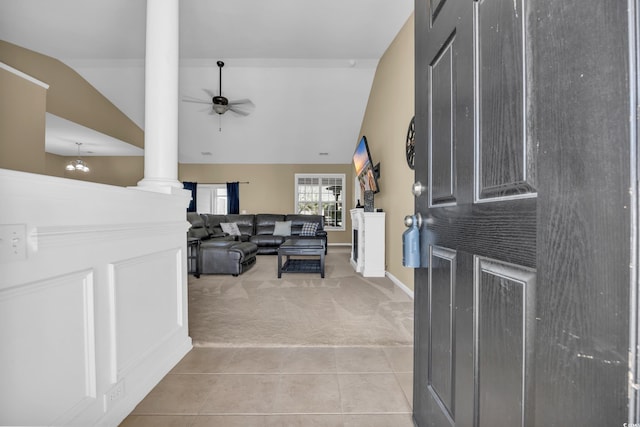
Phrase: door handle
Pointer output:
(409, 220)
(418, 188)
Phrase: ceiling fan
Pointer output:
(220, 104)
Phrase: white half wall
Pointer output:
(93, 298)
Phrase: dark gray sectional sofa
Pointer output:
(259, 228)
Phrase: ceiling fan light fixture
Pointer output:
(220, 109)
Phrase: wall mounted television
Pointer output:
(366, 172)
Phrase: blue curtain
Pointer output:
(191, 186)
(233, 197)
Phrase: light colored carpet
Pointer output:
(258, 309)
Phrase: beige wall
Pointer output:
(389, 111)
(54, 165)
(22, 124)
(271, 187)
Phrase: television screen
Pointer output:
(365, 170)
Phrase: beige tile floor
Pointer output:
(293, 385)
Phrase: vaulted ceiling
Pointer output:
(307, 65)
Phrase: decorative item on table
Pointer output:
(368, 201)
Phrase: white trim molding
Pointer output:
(404, 288)
(23, 75)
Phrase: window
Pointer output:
(321, 194)
(211, 198)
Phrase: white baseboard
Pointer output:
(157, 366)
(399, 284)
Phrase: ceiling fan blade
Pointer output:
(241, 101)
(187, 98)
(244, 107)
(209, 92)
(237, 110)
(197, 102)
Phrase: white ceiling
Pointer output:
(307, 65)
(64, 136)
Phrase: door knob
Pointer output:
(418, 188)
(409, 220)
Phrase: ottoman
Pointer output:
(227, 257)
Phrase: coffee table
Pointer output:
(301, 247)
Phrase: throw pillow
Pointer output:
(231, 228)
(282, 228)
(309, 229)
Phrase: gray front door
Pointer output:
(524, 145)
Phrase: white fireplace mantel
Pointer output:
(368, 242)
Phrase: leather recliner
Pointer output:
(200, 230)
(217, 252)
(263, 233)
(226, 257)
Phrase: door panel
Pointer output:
(523, 140)
(442, 158)
(442, 328)
(504, 338)
(506, 162)
(436, 5)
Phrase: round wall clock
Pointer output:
(410, 145)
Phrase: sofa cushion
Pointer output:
(199, 233)
(244, 223)
(230, 228)
(282, 228)
(298, 220)
(268, 240)
(195, 219)
(212, 222)
(197, 229)
(309, 229)
(265, 223)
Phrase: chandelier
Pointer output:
(77, 164)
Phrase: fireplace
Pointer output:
(368, 242)
(354, 247)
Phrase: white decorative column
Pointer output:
(161, 97)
